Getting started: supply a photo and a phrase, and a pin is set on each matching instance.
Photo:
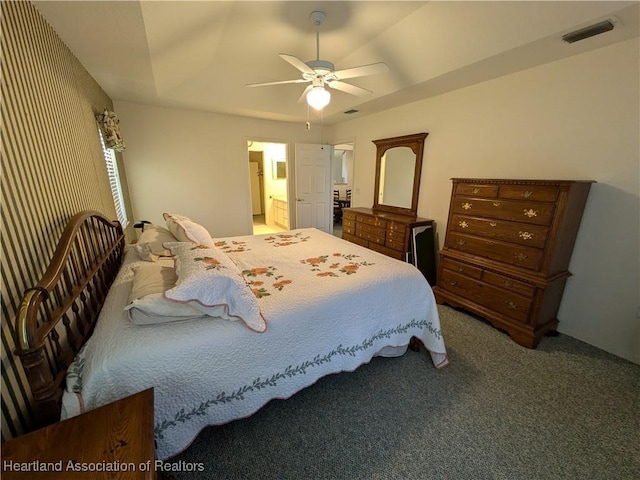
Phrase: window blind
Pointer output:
(114, 181)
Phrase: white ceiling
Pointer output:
(201, 54)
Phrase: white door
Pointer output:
(313, 186)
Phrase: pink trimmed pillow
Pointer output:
(186, 230)
(208, 279)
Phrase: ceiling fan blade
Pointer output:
(299, 80)
(348, 88)
(303, 97)
(362, 71)
(296, 62)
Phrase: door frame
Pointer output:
(267, 171)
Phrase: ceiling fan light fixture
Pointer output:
(318, 97)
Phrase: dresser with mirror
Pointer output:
(391, 226)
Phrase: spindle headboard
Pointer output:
(57, 315)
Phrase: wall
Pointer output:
(196, 163)
(52, 167)
(576, 118)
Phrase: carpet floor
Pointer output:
(566, 410)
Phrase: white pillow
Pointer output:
(208, 279)
(147, 304)
(186, 230)
(149, 245)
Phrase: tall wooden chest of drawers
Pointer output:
(507, 249)
(391, 235)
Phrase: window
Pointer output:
(114, 181)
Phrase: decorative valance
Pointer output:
(109, 124)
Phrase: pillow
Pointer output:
(147, 304)
(186, 230)
(149, 245)
(208, 279)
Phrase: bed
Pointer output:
(324, 306)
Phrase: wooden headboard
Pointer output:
(57, 315)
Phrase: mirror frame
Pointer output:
(416, 143)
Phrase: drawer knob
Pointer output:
(476, 190)
(463, 224)
(521, 256)
(461, 242)
(527, 194)
(531, 212)
(525, 235)
(496, 204)
(506, 283)
(453, 283)
(460, 269)
(511, 305)
(466, 206)
(493, 224)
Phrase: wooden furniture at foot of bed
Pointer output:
(57, 315)
(111, 442)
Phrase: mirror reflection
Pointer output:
(397, 168)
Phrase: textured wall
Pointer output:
(52, 167)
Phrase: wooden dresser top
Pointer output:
(394, 217)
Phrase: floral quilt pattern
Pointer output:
(259, 287)
(233, 246)
(286, 239)
(335, 264)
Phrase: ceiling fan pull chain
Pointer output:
(317, 41)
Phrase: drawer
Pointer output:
(530, 235)
(364, 227)
(508, 283)
(354, 239)
(395, 245)
(347, 215)
(369, 236)
(399, 228)
(536, 193)
(349, 230)
(351, 223)
(395, 235)
(497, 299)
(462, 268)
(514, 211)
(490, 191)
(371, 221)
(520, 256)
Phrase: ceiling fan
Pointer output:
(321, 73)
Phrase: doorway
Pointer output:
(341, 181)
(269, 186)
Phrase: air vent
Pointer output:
(589, 31)
(349, 112)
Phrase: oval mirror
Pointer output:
(398, 170)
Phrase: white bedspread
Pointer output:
(330, 306)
